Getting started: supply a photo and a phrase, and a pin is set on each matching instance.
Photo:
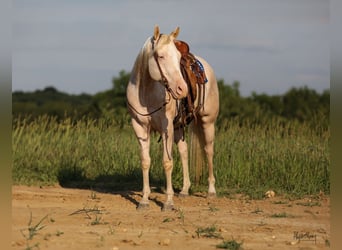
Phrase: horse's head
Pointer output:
(164, 63)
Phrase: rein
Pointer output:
(150, 113)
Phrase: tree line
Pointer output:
(301, 104)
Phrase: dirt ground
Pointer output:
(64, 218)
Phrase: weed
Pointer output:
(181, 215)
(208, 232)
(257, 211)
(111, 230)
(101, 241)
(261, 223)
(213, 209)
(281, 215)
(47, 236)
(93, 195)
(35, 246)
(309, 204)
(97, 221)
(59, 233)
(87, 211)
(280, 202)
(230, 244)
(327, 242)
(33, 230)
(168, 220)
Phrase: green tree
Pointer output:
(272, 105)
(301, 103)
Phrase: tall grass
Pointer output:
(287, 157)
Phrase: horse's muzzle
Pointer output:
(181, 90)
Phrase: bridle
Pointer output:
(163, 80)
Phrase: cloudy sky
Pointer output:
(77, 46)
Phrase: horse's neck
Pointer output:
(142, 78)
(149, 91)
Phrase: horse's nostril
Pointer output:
(181, 91)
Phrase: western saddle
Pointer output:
(194, 75)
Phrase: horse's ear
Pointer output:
(156, 32)
(175, 33)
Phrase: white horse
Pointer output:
(155, 87)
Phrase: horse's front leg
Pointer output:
(145, 166)
(168, 167)
(143, 136)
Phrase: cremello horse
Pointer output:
(155, 87)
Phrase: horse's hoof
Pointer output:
(168, 207)
(143, 206)
(211, 195)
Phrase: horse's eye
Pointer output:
(158, 56)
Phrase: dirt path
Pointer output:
(84, 219)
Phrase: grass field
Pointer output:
(288, 157)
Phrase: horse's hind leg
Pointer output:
(183, 151)
(209, 135)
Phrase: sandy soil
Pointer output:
(85, 219)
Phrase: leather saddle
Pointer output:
(194, 75)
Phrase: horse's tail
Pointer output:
(196, 149)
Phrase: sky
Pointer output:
(78, 46)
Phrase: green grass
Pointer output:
(287, 157)
(290, 158)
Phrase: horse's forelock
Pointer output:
(164, 39)
(148, 47)
(160, 41)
